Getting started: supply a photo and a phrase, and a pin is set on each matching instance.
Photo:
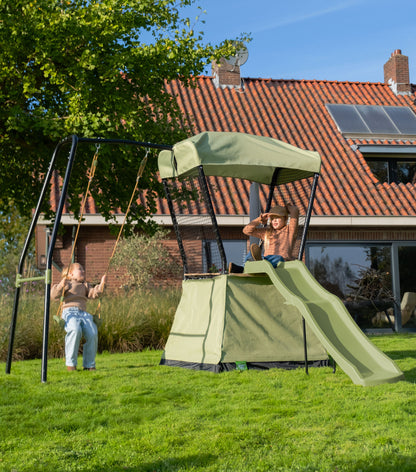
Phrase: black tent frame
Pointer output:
(73, 141)
(208, 201)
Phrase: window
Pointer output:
(390, 163)
(407, 278)
(370, 278)
(391, 170)
(235, 251)
(358, 274)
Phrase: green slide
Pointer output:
(331, 322)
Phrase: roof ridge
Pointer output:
(327, 81)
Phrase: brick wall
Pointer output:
(95, 246)
(397, 70)
(226, 75)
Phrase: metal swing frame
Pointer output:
(73, 141)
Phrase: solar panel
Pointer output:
(347, 119)
(377, 119)
(403, 118)
(373, 119)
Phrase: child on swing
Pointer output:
(279, 236)
(78, 322)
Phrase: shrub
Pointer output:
(140, 320)
(146, 261)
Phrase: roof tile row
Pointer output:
(294, 111)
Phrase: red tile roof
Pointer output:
(294, 111)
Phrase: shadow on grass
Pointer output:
(391, 462)
(410, 374)
(400, 354)
(171, 464)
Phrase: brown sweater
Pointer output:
(276, 242)
(77, 294)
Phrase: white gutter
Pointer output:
(239, 220)
(363, 221)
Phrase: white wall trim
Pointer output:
(239, 220)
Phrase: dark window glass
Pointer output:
(359, 275)
(380, 169)
(393, 170)
(406, 172)
(407, 258)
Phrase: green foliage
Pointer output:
(146, 260)
(92, 68)
(13, 231)
(134, 415)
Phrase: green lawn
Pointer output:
(134, 415)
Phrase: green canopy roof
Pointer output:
(239, 155)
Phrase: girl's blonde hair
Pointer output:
(65, 272)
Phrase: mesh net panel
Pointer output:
(295, 193)
(197, 235)
(195, 228)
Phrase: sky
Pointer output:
(344, 40)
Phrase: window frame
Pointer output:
(395, 269)
(392, 166)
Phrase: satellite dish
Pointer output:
(240, 58)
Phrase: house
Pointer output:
(362, 236)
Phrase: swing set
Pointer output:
(73, 141)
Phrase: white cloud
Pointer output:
(306, 16)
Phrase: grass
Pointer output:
(134, 415)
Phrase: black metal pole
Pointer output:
(308, 216)
(54, 235)
(45, 189)
(175, 226)
(207, 197)
(271, 191)
(300, 256)
(305, 347)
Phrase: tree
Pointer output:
(13, 230)
(92, 68)
(146, 260)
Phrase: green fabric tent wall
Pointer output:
(229, 319)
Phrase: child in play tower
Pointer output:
(278, 233)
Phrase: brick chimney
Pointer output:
(396, 73)
(226, 75)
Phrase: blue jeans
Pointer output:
(273, 259)
(79, 323)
